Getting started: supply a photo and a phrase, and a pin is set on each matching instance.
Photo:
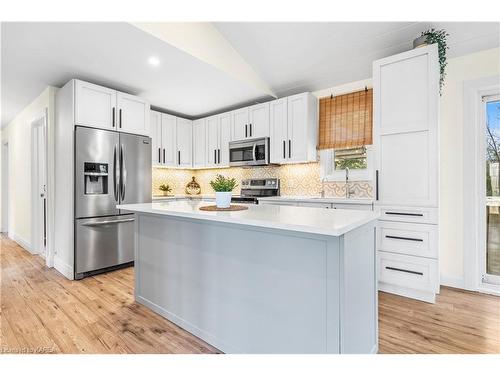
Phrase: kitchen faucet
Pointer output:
(348, 191)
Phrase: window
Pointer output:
(359, 160)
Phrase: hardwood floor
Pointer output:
(43, 312)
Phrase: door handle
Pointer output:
(159, 155)
(403, 270)
(218, 154)
(179, 156)
(246, 134)
(215, 156)
(289, 148)
(116, 178)
(376, 185)
(253, 152)
(108, 222)
(123, 174)
(402, 213)
(250, 129)
(113, 120)
(284, 148)
(120, 114)
(163, 156)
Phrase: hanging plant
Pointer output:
(432, 36)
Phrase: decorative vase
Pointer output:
(223, 199)
(193, 187)
(420, 41)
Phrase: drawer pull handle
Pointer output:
(405, 238)
(403, 270)
(402, 213)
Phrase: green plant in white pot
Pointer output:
(223, 188)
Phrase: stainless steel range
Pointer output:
(252, 189)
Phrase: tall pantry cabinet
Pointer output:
(406, 100)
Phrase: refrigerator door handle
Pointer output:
(123, 174)
(98, 223)
(116, 177)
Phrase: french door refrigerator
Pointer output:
(110, 168)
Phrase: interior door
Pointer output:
(258, 121)
(95, 106)
(168, 140)
(224, 138)
(96, 172)
(155, 127)
(212, 140)
(135, 169)
(240, 124)
(279, 133)
(184, 131)
(133, 114)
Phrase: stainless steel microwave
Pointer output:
(249, 152)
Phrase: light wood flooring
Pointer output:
(42, 312)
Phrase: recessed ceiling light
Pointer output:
(155, 61)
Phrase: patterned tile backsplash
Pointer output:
(296, 180)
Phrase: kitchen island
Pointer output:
(270, 279)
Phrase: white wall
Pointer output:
(18, 134)
(451, 218)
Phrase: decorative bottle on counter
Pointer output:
(193, 187)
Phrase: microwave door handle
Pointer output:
(253, 152)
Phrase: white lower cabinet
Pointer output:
(353, 206)
(315, 204)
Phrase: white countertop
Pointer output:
(300, 219)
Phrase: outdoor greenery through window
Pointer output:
(352, 158)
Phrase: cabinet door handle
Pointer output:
(163, 156)
(284, 148)
(113, 120)
(405, 238)
(246, 130)
(159, 154)
(289, 148)
(250, 130)
(120, 114)
(403, 270)
(218, 156)
(402, 213)
(376, 185)
(215, 156)
(179, 153)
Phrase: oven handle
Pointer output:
(253, 151)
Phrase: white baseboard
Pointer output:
(452, 281)
(63, 268)
(21, 241)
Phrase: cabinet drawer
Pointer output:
(426, 215)
(353, 206)
(405, 238)
(408, 271)
(315, 204)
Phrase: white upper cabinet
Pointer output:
(212, 148)
(406, 97)
(155, 131)
(224, 138)
(239, 120)
(95, 106)
(168, 140)
(199, 143)
(258, 121)
(184, 136)
(133, 114)
(294, 129)
(100, 107)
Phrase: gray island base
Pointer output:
(244, 283)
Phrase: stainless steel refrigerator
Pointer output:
(110, 168)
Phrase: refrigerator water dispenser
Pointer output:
(96, 178)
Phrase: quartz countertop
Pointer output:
(299, 219)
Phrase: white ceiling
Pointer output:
(295, 57)
(289, 57)
(35, 55)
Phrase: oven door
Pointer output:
(251, 152)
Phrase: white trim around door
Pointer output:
(474, 187)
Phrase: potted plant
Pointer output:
(223, 188)
(165, 189)
(432, 36)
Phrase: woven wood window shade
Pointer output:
(345, 121)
